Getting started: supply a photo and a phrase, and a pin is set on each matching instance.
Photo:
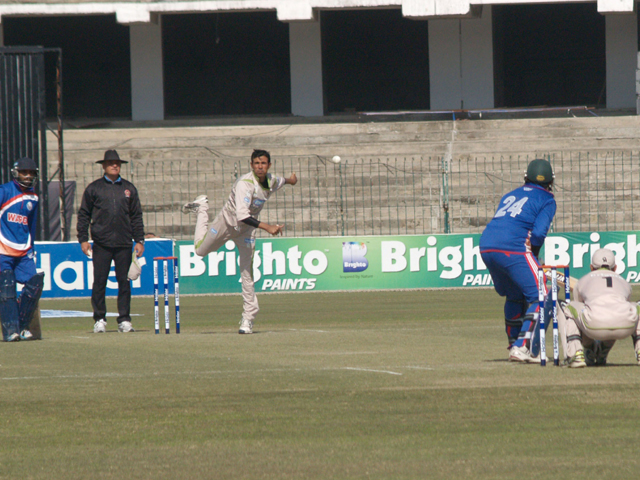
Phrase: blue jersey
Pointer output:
(525, 213)
(18, 215)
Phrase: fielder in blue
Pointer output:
(510, 246)
(18, 216)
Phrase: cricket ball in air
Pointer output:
(336, 159)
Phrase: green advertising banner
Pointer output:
(378, 263)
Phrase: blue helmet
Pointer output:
(25, 163)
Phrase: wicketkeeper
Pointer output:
(600, 314)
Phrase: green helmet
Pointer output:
(539, 172)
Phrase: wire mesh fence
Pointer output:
(387, 195)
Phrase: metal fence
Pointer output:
(388, 195)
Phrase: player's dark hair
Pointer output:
(261, 153)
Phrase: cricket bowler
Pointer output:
(237, 221)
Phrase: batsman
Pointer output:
(510, 245)
(18, 216)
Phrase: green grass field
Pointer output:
(395, 385)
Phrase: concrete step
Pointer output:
(427, 133)
(390, 180)
(162, 139)
(349, 153)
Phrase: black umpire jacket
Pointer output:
(113, 211)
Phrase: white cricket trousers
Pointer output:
(606, 322)
(210, 237)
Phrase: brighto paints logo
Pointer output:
(353, 257)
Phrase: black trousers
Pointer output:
(102, 257)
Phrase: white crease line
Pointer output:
(117, 375)
(369, 370)
(335, 353)
(307, 330)
(103, 376)
(100, 376)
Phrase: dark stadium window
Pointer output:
(226, 64)
(374, 60)
(95, 61)
(551, 55)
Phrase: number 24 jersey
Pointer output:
(525, 212)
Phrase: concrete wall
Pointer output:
(460, 43)
(147, 89)
(622, 50)
(306, 69)
(288, 10)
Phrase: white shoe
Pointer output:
(522, 355)
(26, 335)
(100, 326)
(577, 361)
(14, 337)
(192, 207)
(246, 326)
(519, 354)
(125, 327)
(536, 359)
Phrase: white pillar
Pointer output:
(477, 61)
(445, 84)
(147, 91)
(621, 52)
(461, 62)
(305, 51)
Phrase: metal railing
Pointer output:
(388, 195)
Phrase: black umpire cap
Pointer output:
(111, 155)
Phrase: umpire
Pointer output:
(111, 207)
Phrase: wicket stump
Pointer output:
(176, 289)
(542, 292)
